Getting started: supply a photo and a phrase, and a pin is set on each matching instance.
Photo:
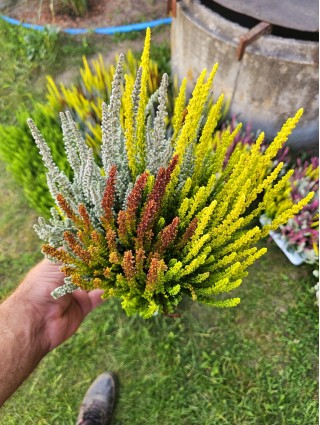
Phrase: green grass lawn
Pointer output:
(19, 244)
(254, 364)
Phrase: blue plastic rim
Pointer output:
(140, 26)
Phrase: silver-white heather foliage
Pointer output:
(89, 180)
(159, 149)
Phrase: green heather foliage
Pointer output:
(19, 152)
(84, 101)
(163, 217)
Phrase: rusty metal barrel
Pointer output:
(268, 59)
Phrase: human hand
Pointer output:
(32, 323)
(59, 318)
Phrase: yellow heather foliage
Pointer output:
(226, 141)
(143, 99)
(193, 251)
(200, 278)
(197, 262)
(173, 272)
(195, 109)
(251, 259)
(282, 136)
(179, 109)
(231, 302)
(286, 215)
(183, 208)
(185, 189)
(196, 203)
(241, 242)
(207, 132)
(268, 203)
(129, 124)
(265, 183)
(188, 131)
(204, 218)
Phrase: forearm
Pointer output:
(21, 343)
(32, 323)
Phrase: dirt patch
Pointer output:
(109, 48)
(102, 13)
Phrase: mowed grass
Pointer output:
(254, 364)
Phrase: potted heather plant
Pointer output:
(163, 217)
(299, 237)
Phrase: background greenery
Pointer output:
(40, 52)
(255, 364)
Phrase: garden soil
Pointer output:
(102, 13)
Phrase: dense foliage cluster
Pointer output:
(84, 102)
(301, 233)
(164, 217)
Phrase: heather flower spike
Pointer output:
(165, 216)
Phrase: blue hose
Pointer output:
(105, 31)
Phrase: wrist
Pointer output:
(22, 346)
(25, 324)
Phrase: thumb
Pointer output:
(95, 297)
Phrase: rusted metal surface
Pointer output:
(301, 15)
(172, 8)
(252, 35)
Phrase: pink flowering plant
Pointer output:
(302, 231)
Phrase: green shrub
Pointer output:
(22, 156)
(23, 53)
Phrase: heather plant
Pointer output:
(300, 233)
(84, 101)
(245, 138)
(164, 217)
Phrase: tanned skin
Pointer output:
(32, 323)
